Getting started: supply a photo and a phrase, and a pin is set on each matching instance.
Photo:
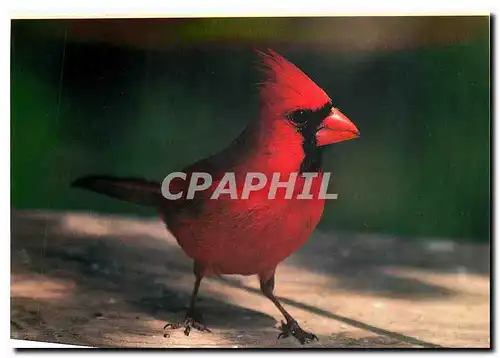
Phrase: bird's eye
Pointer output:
(299, 117)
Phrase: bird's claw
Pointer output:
(191, 320)
(292, 328)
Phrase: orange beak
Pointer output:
(335, 128)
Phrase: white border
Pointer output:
(19, 343)
(200, 8)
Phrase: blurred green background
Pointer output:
(147, 97)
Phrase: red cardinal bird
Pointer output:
(250, 236)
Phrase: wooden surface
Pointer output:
(110, 281)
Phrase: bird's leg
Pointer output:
(193, 318)
(291, 327)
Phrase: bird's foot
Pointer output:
(292, 328)
(192, 319)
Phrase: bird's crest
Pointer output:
(286, 87)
